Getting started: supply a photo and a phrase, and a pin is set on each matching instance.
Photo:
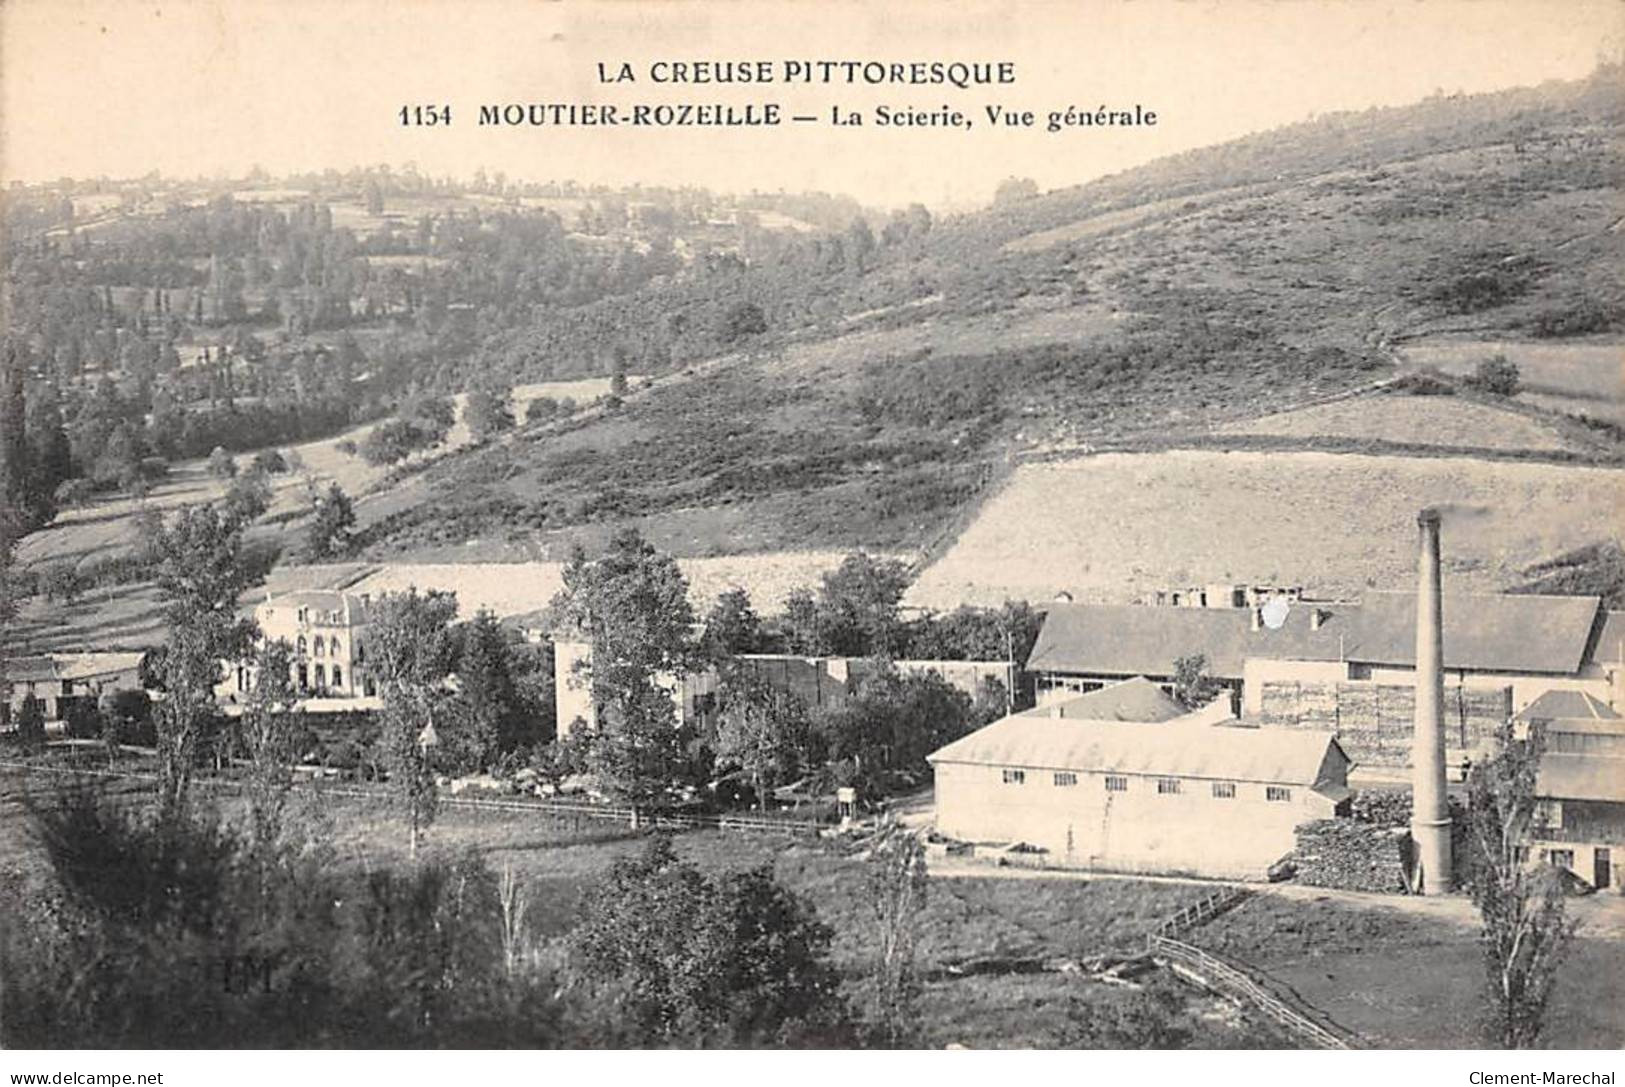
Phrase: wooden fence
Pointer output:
(653, 818)
(1233, 979)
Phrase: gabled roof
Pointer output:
(1485, 632)
(1581, 777)
(1145, 640)
(1287, 756)
(1136, 699)
(31, 670)
(1564, 706)
(91, 665)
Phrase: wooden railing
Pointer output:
(1290, 1011)
(1199, 913)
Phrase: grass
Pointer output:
(1443, 421)
(1582, 377)
(1408, 981)
(559, 861)
(1111, 527)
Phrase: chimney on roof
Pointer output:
(1430, 812)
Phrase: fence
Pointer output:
(655, 818)
(1200, 913)
(1232, 978)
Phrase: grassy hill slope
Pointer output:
(1166, 302)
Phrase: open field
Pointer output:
(1109, 528)
(1585, 377)
(967, 920)
(1406, 981)
(1448, 422)
(516, 588)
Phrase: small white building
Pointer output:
(1180, 796)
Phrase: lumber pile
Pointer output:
(1352, 855)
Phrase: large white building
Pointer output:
(327, 633)
(1180, 795)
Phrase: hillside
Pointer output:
(1166, 305)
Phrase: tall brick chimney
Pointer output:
(1430, 810)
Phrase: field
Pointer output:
(1109, 528)
(1586, 377)
(1446, 422)
(516, 588)
(965, 919)
(1422, 991)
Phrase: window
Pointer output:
(321, 677)
(333, 646)
(368, 686)
(304, 615)
(302, 645)
(320, 646)
(1066, 779)
(1015, 777)
(1116, 783)
(1277, 792)
(1167, 786)
(1562, 858)
(1549, 814)
(338, 676)
(1224, 790)
(360, 653)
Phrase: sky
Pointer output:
(189, 87)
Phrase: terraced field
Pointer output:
(1586, 377)
(1442, 421)
(1111, 527)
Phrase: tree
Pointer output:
(803, 631)
(201, 573)
(31, 725)
(330, 524)
(269, 732)
(1013, 190)
(1193, 687)
(541, 409)
(762, 729)
(1525, 930)
(493, 716)
(741, 320)
(222, 465)
(733, 626)
(676, 958)
(270, 462)
(858, 606)
(488, 412)
(897, 897)
(248, 496)
(412, 651)
(631, 607)
(1498, 375)
(888, 727)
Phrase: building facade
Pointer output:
(326, 632)
(1183, 796)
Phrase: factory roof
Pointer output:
(1136, 699)
(1567, 706)
(1566, 776)
(1177, 749)
(326, 606)
(1145, 640)
(1484, 632)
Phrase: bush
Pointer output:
(1421, 385)
(83, 720)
